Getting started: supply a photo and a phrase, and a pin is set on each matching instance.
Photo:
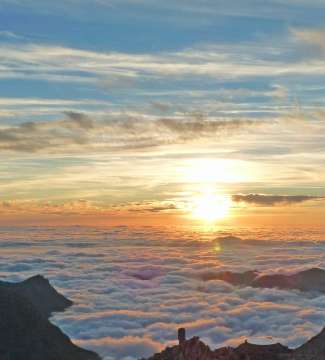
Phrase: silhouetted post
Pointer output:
(181, 335)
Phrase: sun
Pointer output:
(205, 184)
(210, 206)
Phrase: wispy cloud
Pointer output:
(273, 9)
(7, 34)
(57, 63)
(314, 37)
(18, 109)
(79, 131)
(82, 207)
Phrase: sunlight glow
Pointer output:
(207, 171)
(210, 206)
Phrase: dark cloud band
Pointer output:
(272, 200)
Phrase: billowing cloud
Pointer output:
(128, 347)
(133, 287)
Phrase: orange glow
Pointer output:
(210, 206)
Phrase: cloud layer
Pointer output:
(133, 288)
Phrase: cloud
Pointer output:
(314, 37)
(152, 207)
(79, 120)
(195, 13)
(85, 207)
(133, 287)
(119, 81)
(124, 70)
(272, 200)
(9, 35)
(79, 132)
(160, 106)
(76, 207)
(128, 347)
(16, 109)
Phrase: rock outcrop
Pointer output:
(192, 349)
(195, 349)
(262, 352)
(25, 331)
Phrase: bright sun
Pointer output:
(210, 206)
(207, 179)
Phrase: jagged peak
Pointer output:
(37, 279)
(38, 290)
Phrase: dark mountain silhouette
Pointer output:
(195, 349)
(27, 334)
(245, 278)
(40, 293)
(307, 280)
(25, 331)
(314, 349)
(262, 352)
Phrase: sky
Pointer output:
(162, 112)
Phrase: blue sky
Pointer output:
(111, 85)
(154, 28)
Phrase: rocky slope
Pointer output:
(25, 331)
(314, 349)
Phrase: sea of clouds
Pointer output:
(133, 287)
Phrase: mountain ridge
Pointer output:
(25, 331)
(309, 280)
(38, 290)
